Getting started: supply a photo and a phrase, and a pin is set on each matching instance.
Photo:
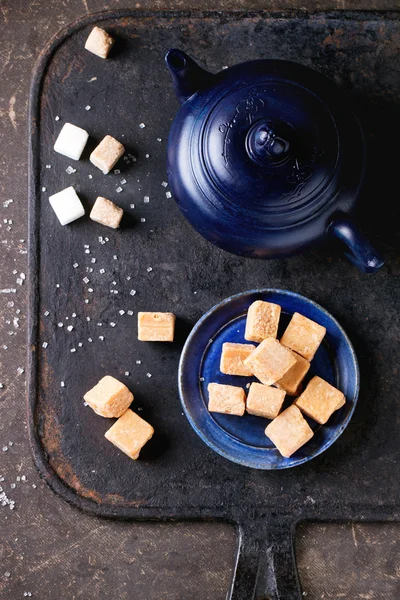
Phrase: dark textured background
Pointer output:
(51, 549)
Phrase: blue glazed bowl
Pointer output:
(242, 439)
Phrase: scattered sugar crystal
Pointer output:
(90, 176)
(87, 251)
(80, 344)
(117, 171)
(73, 350)
(13, 486)
(34, 486)
(73, 315)
(87, 318)
(159, 139)
(20, 370)
(130, 312)
(113, 283)
(146, 199)
(85, 280)
(128, 278)
(106, 239)
(149, 269)
(57, 118)
(62, 383)
(148, 375)
(46, 313)
(60, 324)
(70, 170)
(93, 260)
(127, 373)
(5, 448)
(143, 220)
(75, 265)
(142, 125)
(115, 257)
(138, 362)
(48, 166)
(89, 340)
(57, 285)
(121, 312)
(69, 328)
(164, 183)
(112, 324)
(1, 386)
(87, 107)
(102, 271)
(19, 281)
(132, 205)
(147, 156)
(44, 189)
(90, 290)
(23, 478)
(101, 337)
(168, 194)
(123, 181)
(118, 190)
(44, 345)
(132, 292)
(99, 324)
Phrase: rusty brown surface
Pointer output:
(55, 551)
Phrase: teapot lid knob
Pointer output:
(265, 145)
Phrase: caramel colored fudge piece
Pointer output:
(106, 212)
(292, 379)
(130, 433)
(262, 321)
(232, 358)
(320, 399)
(99, 42)
(303, 336)
(289, 431)
(156, 327)
(109, 398)
(270, 361)
(226, 399)
(106, 155)
(264, 401)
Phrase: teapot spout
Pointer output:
(187, 76)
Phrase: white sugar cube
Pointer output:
(71, 141)
(67, 205)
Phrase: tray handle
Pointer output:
(265, 565)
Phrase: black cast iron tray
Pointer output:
(178, 477)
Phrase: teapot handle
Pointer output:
(361, 251)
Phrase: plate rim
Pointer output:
(184, 358)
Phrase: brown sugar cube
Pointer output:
(270, 361)
(264, 401)
(303, 336)
(320, 399)
(106, 155)
(99, 42)
(130, 433)
(262, 321)
(292, 379)
(156, 327)
(106, 212)
(289, 431)
(109, 398)
(226, 399)
(232, 358)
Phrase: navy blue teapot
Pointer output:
(265, 158)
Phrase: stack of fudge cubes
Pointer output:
(280, 367)
(111, 399)
(71, 142)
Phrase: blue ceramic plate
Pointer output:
(242, 439)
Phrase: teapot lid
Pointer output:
(269, 137)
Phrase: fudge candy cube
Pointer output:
(71, 141)
(156, 327)
(67, 205)
(130, 433)
(109, 398)
(320, 399)
(99, 42)
(262, 321)
(106, 155)
(292, 379)
(232, 358)
(106, 212)
(289, 431)
(303, 336)
(264, 401)
(226, 399)
(270, 361)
